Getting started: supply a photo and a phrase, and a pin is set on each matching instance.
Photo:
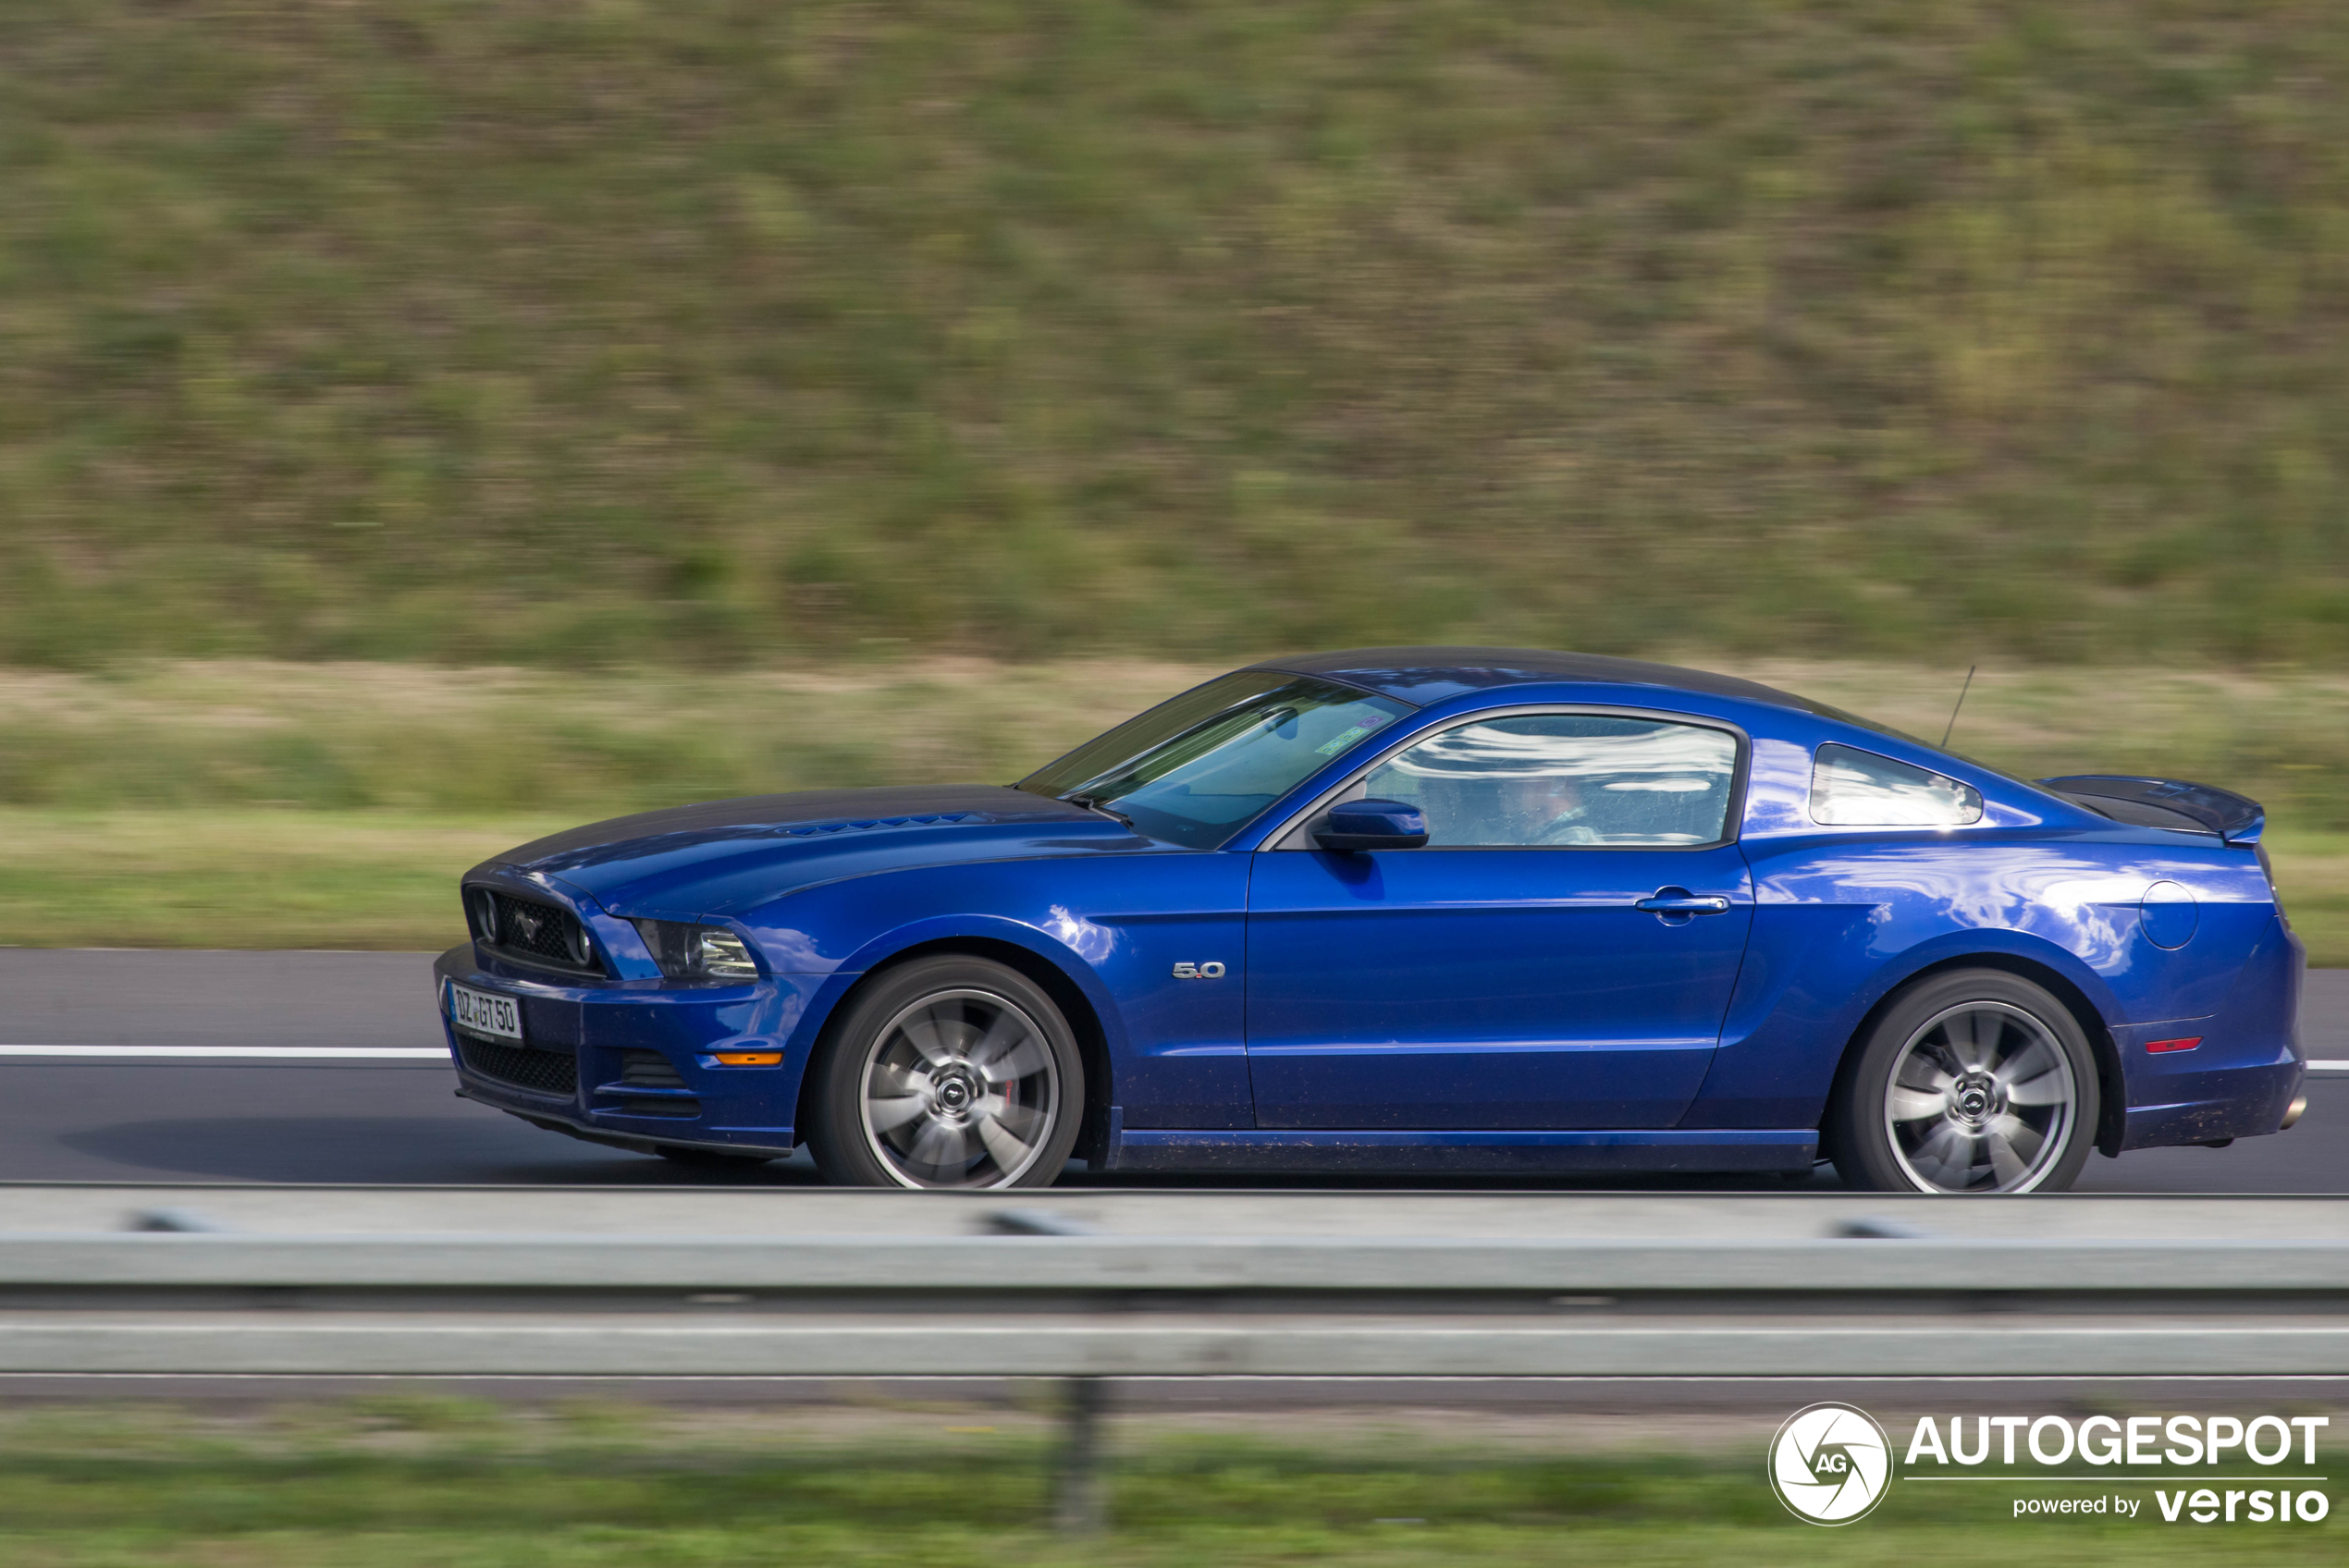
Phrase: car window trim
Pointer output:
(1292, 675)
(1735, 822)
(1340, 680)
(1811, 796)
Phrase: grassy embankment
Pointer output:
(727, 333)
(261, 805)
(438, 1483)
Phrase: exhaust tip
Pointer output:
(2292, 1113)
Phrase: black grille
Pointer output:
(541, 933)
(648, 1070)
(682, 1109)
(544, 1073)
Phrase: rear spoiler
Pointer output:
(2165, 802)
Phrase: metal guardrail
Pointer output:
(182, 1254)
(2184, 1289)
(184, 1301)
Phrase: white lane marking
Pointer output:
(2329, 1067)
(293, 1053)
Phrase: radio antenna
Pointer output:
(1952, 725)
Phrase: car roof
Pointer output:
(1431, 674)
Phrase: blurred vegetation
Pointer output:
(523, 742)
(498, 742)
(568, 331)
(412, 1480)
(250, 878)
(262, 804)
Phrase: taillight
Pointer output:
(2268, 869)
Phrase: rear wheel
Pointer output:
(952, 1072)
(1975, 1080)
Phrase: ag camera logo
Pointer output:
(1830, 1464)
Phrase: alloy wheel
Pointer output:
(959, 1090)
(1981, 1099)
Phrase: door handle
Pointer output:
(1684, 904)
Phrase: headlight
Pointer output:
(697, 952)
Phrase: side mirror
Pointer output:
(1372, 825)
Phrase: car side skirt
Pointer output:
(1591, 1152)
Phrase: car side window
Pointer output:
(1851, 788)
(1565, 780)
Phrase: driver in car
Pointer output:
(1548, 809)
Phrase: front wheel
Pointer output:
(1975, 1080)
(952, 1072)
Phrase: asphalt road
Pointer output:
(84, 1097)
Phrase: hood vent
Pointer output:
(812, 829)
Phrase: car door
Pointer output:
(1559, 955)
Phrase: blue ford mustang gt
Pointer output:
(1406, 909)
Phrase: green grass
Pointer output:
(468, 743)
(241, 879)
(248, 804)
(2312, 875)
(437, 1483)
(724, 331)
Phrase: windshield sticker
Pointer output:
(1345, 738)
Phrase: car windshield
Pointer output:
(1194, 770)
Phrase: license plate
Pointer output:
(481, 1014)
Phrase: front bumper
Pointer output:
(596, 1027)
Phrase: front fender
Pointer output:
(1124, 932)
(887, 946)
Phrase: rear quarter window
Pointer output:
(1851, 788)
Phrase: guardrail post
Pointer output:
(1080, 1497)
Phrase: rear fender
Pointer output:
(1793, 1020)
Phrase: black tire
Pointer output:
(1997, 1091)
(952, 1072)
(712, 1159)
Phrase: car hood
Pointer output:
(724, 857)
